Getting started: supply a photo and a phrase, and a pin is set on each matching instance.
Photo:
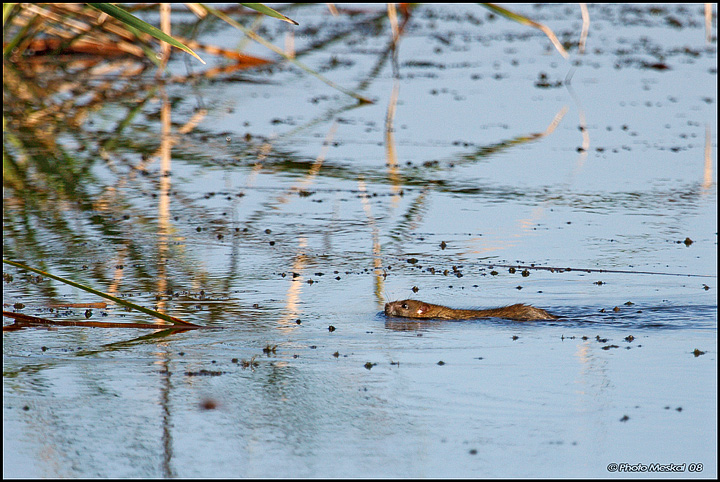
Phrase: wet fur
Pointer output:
(420, 310)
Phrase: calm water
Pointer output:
(288, 210)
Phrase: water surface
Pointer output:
(290, 214)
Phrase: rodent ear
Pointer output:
(423, 308)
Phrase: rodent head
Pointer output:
(408, 309)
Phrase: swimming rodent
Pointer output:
(420, 309)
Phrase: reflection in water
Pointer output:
(708, 166)
(164, 191)
(585, 27)
(292, 298)
(419, 326)
(390, 149)
(376, 246)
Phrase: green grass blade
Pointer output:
(11, 44)
(267, 44)
(259, 7)
(147, 311)
(7, 8)
(131, 20)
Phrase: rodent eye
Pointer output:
(405, 306)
